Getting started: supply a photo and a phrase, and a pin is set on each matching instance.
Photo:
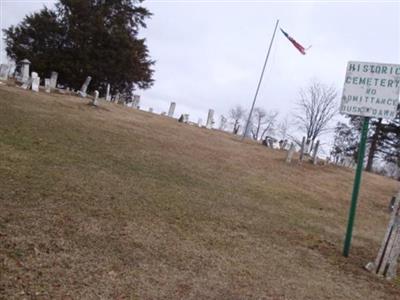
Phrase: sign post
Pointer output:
(370, 90)
(356, 187)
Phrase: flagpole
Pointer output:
(259, 82)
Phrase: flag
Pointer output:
(296, 44)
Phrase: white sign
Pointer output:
(371, 90)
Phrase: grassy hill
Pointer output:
(115, 203)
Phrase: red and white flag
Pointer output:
(296, 44)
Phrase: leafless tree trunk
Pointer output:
(262, 122)
(316, 108)
(236, 116)
(283, 128)
(222, 123)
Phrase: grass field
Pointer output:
(115, 203)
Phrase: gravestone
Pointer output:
(388, 255)
(25, 70)
(210, 119)
(136, 101)
(53, 80)
(150, 109)
(4, 69)
(199, 122)
(290, 153)
(271, 143)
(95, 100)
(27, 84)
(163, 113)
(171, 109)
(184, 118)
(83, 91)
(315, 158)
(117, 97)
(108, 95)
(35, 82)
(47, 85)
(302, 148)
(284, 144)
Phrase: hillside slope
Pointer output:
(115, 203)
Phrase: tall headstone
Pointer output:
(53, 80)
(35, 82)
(136, 101)
(199, 122)
(303, 145)
(83, 91)
(290, 153)
(4, 69)
(171, 109)
(271, 143)
(315, 152)
(388, 255)
(117, 97)
(185, 118)
(47, 85)
(27, 84)
(108, 95)
(25, 70)
(210, 119)
(95, 100)
(284, 144)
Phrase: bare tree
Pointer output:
(316, 108)
(283, 128)
(262, 122)
(222, 122)
(236, 116)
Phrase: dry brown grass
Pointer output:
(113, 203)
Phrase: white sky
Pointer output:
(209, 54)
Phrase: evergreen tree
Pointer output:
(383, 141)
(345, 142)
(86, 37)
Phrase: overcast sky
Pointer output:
(209, 54)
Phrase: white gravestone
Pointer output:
(290, 153)
(108, 96)
(136, 101)
(302, 148)
(53, 80)
(4, 69)
(315, 153)
(25, 70)
(35, 82)
(199, 122)
(171, 109)
(210, 119)
(27, 84)
(95, 100)
(47, 85)
(371, 90)
(83, 90)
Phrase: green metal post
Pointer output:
(356, 187)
